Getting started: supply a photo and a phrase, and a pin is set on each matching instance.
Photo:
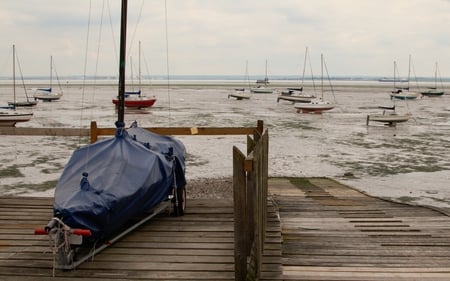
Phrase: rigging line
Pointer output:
(329, 81)
(146, 67)
(21, 75)
(167, 63)
(83, 87)
(304, 66)
(312, 75)
(135, 27)
(113, 36)
(97, 58)
(57, 76)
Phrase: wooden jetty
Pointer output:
(196, 246)
(333, 232)
(317, 229)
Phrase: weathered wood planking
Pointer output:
(197, 246)
(332, 232)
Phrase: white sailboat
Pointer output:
(9, 116)
(317, 105)
(262, 87)
(241, 93)
(48, 94)
(403, 93)
(389, 117)
(295, 95)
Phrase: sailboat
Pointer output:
(9, 116)
(135, 99)
(434, 91)
(389, 116)
(317, 105)
(15, 103)
(403, 93)
(241, 94)
(106, 185)
(296, 94)
(48, 94)
(262, 85)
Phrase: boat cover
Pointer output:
(107, 183)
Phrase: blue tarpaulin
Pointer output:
(107, 183)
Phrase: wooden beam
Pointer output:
(64, 132)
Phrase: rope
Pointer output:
(167, 63)
(21, 75)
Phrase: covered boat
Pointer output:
(106, 184)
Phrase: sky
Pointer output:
(224, 37)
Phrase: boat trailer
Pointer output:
(66, 243)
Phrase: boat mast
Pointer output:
(123, 37)
(14, 74)
(51, 71)
(395, 68)
(139, 67)
(321, 71)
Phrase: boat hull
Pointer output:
(404, 96)
(389, 119)
(261, 90)
(47, 96)
(314, 107)
(296, 98)
(9, 119)
(239, 96)
(432, 93)
(136, 102)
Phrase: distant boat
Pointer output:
(296, 94)
(317, 105)
(47, 94)
(135, 99)
(241, 93)
(434, 91)
(9, 116)
(403, 93)
(388, 116)
(391, 80)
(15, 103)
(262, 87)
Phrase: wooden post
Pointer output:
(94, 130)
(240, 216)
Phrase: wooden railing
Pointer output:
(94, 132)
(250, 180)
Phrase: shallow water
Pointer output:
(409, 162)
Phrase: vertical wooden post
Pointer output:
(94, 135)
(240, 231)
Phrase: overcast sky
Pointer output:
(357, 37)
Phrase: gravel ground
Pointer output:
(210, 188)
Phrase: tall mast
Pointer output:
(14, 74)
(139, 65)
(321, 70)
(51, 71)
(123, 37)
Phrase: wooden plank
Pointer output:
(197, 246)
(332, 232)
